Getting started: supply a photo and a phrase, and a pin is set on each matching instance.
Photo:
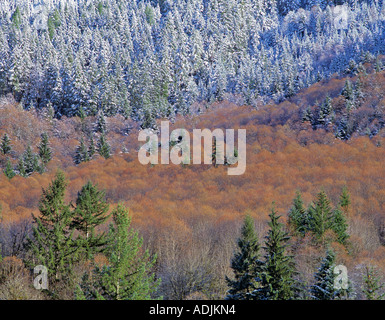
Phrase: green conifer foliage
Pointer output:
(90, 212)
(129, 275)
(53, 245)
(245, 264)
(278, 269)
(5, 145)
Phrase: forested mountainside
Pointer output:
(151, 59)
(80, 79)
(190, 216)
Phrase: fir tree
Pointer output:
(90, 212)
(45, 151)
(81, 154)
(8, 170)
(278, 269)
(128, 275)
(101, 124)
(347, 91)
(30, 161)
(344, 201)
(340, 226)
(21, 168)
(245, 264)
(91, 148)
(298, 218)
(320, 217)
(372, 284)
(307, 115)
(104, 148)
(5, 146)
(52, 244)
(323, 288)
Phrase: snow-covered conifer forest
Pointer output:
(151, 59)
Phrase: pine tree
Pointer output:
(104, 148)
(90, 212)
(8, 171)
(323, 288)
(45, 151)
(245, 264)
(278, 269)
(81, 154)
(128, 275)
(52, 244)
(372, 284)
(5, 146)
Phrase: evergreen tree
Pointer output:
(348, 91)
(344, 201)
(128, 275)
(298, 218)
(91, 148)
(52, 244)
(5, 146)
(104, 148)
(90, 212)
(30, 161)
(45, 151)
(8, 171)
(323, 288)
(372, 284)
(307, 115)
(21, 168)
(81, 154)
(278, 269)
(101, 124)
(340, 226)
(321, 217)
(245, 264)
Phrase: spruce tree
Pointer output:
(321, 217)
(347, 91)
(52, 244)
(372, 284)
(344, 201)
(245, 264)
(5, 145)
(323, 287)
(298, 218)
(340, 226)
(90, 212)
(104, 148)
(91, 148)
(278, 269)
(21, 168)
(45, 151)
(81, 154)
(101, 123)
(31, 161)
(129, 273)
(8, 170)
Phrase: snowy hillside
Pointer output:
(149, 59)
